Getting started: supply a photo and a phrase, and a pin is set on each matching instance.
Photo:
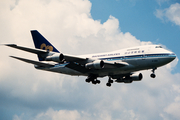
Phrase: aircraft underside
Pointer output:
(119, 75)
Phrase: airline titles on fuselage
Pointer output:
(115, 54)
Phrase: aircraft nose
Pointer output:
(172, 56)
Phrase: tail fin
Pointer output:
(41, 43)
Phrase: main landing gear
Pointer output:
(109, 82)
(93, 79)
(153, 74)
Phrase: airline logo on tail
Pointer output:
(44, 47)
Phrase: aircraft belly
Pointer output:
(149, 63)
(114, 71)
(133, 66)
(131, 62)
(164, 61)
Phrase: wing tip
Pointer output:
(10, 45)
(15, 57)
(12, 56)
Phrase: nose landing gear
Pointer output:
(153, 74)
(109, 82)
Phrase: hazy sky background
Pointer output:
(81, 27)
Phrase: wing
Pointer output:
(110, 64)
(55, 56)
(34, 62)
(73, 58)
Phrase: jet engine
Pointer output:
(97, 64)
(136, 77)
(129, 79)
(57, 57)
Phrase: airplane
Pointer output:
(121, 66)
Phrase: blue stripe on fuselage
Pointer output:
(138, 56)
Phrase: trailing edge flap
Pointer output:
(34, 62)
(111, 64)
(31, 50)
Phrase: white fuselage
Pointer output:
(138, 58)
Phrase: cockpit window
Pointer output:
(158, 46)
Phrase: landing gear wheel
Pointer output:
(98, 81)
(153, 75)
(94, 82)
(87, 80)
(108, 84)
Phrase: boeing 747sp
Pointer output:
(120, 66)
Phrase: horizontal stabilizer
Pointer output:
(34, 62)
(31, 50)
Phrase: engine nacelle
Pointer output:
(129, 79)
(57, 57)
(136, 77)
(98, 64)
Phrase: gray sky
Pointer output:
(26, 93)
